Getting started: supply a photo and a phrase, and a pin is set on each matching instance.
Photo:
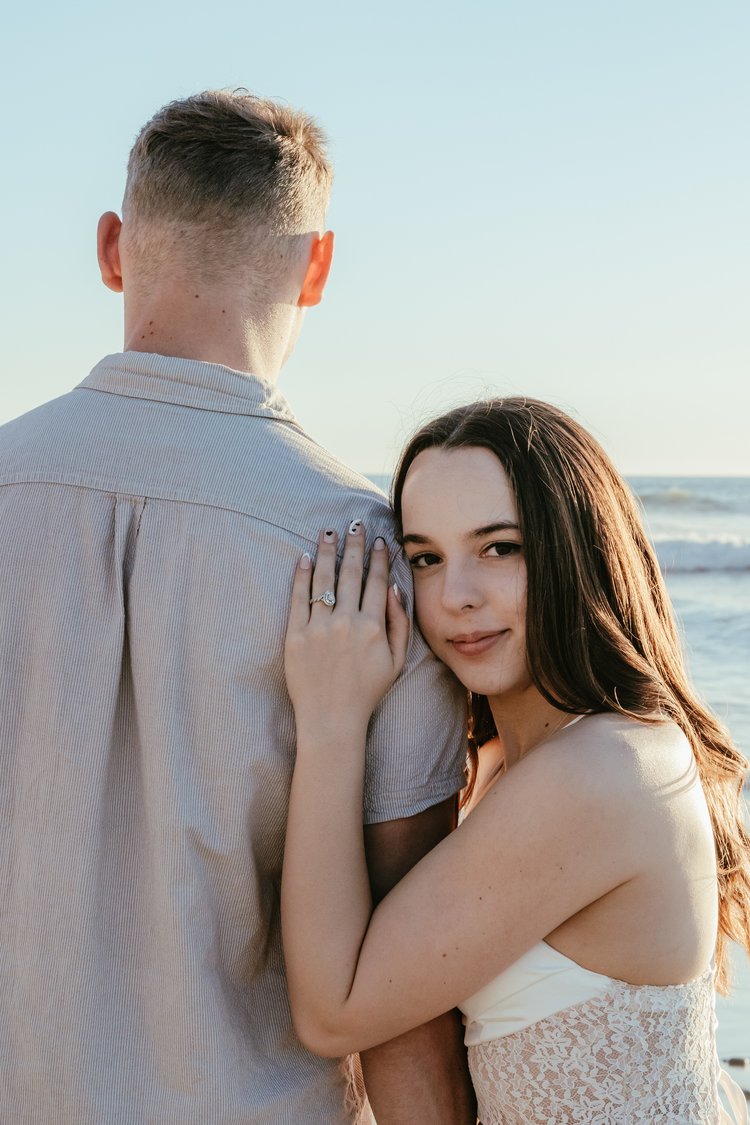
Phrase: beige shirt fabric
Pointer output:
(150, 523)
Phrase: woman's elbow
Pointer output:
(320, 1039)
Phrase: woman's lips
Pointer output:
(474, 644)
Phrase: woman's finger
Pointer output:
(299, 613)
(376, 586)
(349, 590)
(324, 575)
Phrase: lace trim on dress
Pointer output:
(635, 1054)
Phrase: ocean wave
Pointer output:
(684, 498)
(703, 553)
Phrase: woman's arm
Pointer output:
(338, 669)
(531, 855)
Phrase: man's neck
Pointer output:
(211, 327)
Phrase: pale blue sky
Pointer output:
(543, 198)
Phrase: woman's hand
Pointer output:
(342, 658)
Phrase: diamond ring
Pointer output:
(327, 598)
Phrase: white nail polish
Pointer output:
(354, 526)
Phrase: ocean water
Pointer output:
(700, 527)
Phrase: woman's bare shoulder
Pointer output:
(616, 758)
(611, 732)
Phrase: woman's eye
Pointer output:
(419, 562)
(501, 550)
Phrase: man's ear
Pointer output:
(318, 268)
(108, 250)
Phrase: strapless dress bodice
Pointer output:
(551, 1041)
(540, 983)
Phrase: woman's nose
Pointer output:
(460, 591)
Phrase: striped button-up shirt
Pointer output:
(150, 523)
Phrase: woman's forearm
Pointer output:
(325, 899)
(345, 645)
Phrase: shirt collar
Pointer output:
(188, 382)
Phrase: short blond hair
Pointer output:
(238, 170)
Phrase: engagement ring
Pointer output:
(328, 598)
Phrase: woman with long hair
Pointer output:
(580, 913)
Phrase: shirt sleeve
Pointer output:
(416, 748)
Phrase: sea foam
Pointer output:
(695, 553)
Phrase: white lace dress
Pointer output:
(550, 1042)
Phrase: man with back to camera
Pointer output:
(150, 523)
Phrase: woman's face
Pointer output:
(461, 536)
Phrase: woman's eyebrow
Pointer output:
(479, 533)
(491, 528)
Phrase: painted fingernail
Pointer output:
(396, 591)
(329, 536)
(379, 544)
(305, 562)
(354, 526)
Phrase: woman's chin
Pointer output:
(494, 687)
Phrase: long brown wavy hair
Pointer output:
(600, 630)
